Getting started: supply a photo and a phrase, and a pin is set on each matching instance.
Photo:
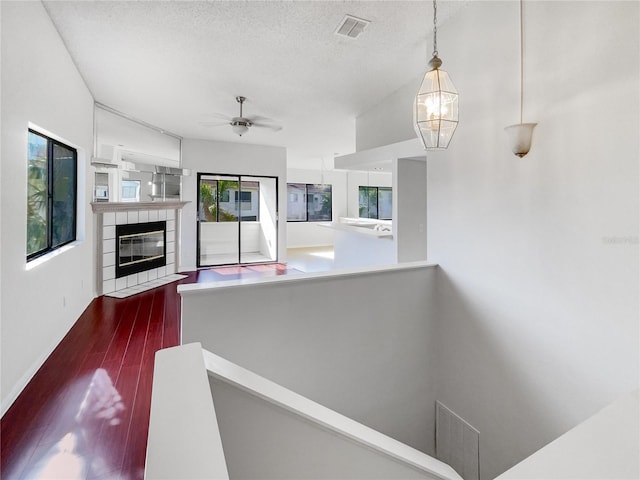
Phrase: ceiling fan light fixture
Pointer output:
(241, 124)
(239, 128)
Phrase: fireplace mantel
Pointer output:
(102, 207)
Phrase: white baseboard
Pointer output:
(33, 369)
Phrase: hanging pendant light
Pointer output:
(435, 112)
(520, 134)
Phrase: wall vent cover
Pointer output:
(457, 443)
(351, 26)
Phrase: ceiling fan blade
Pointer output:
(275, 128)
(260, 119)
(219, 115)
(214, 124)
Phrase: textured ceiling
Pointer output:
(173, 64)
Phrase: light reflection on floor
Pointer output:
(327, 254)
(102, 400)
(72, 456)
(311, 259)
(61, 461)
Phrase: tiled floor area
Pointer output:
(143, 287)
(221, 274)
(308, 259)
(228, 258)
(85, 413)
(313, 259)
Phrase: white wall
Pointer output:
(390, 121)
(265, 441)
(116, 134)
(359, 344)
(41, 85)
(207, 156)
(268, 218)
(606, 445)
(410, 209)
(309, 234)
(357, 247)
(538, 286)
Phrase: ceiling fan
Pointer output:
(241, 124)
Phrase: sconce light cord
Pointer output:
(521, 63)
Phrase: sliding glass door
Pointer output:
(237, 219)
(219, 226)
(258, 222)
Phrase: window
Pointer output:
(308, 202)
(244, 197)
(130, 191)
(51, 194)
(296, 204)
(220, 200)
(375, 202)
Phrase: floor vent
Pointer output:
(457, 443)
(351, 26)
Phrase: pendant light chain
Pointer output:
(435, 29)
(435, 107)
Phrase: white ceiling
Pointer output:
(172, 64)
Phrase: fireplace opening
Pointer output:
(140, 247)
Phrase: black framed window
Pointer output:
(309, 202)
(52, 186)
(244, 197)
(375, 202)
(221, 201)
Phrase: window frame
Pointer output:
(306, 201)
(377, 189)
(51, 143)
(225, 196)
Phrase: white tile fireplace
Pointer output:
(109, 215)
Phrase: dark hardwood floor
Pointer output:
(85, 413)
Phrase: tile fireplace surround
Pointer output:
(110, 214)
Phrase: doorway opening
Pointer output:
(237, 220)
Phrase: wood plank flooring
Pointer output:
(85, 414)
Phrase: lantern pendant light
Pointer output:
(520, 134)
(435, 112)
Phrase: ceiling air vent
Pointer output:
(351, 26)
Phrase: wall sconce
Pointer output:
(520, 134)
